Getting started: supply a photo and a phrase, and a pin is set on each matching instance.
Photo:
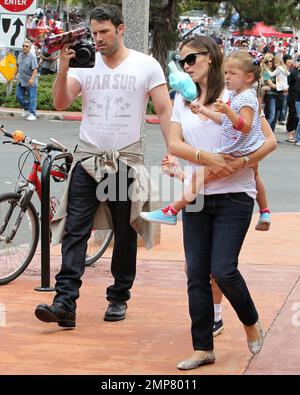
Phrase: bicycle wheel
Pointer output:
(19, 234)
(97, 244)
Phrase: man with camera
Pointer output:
(107, 160)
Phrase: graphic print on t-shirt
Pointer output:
(114, 101)
(108, 105)
(118, 108)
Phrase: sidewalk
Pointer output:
(57, 115)
(156, 333)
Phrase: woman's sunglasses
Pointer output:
(191, 58)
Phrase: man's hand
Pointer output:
(222, 107)
(66, 54)
(31, 82)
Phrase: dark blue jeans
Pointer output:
(213, 238)
(82, 206)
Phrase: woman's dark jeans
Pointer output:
(82, 206)
(273, 104)
(213, 238)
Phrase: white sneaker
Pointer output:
(31, 117)
(25, 114)
(298, 143)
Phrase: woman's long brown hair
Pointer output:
(215, 78)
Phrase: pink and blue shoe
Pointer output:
(264, 222)
(166, 216)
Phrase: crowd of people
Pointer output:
(279, 89)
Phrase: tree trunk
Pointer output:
(164, 28)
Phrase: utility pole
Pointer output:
(136, 14)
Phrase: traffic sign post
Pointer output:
(17, 6)
(12, 30)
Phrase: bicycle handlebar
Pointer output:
(19, 137)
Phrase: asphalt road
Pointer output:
(280, 171)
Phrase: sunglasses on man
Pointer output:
(191, 58)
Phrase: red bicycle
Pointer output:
(19, 219)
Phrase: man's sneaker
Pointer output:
(159, 217)
(25, 114)
(31, 117)
(218, 328)
(297, 143)
(116, 311)
(264, 222)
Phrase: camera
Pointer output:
(84, 49)
(85, 55)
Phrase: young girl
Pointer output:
(281, 73)
(242, 135)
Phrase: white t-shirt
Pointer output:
(281, 73)
(207, 135)
(114, 100)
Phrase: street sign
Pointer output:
(8, 66)
(12, 30)
(17, 6)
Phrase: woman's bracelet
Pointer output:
(246, 160)
(198, 154)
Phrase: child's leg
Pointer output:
(261, 197)
(265, 218)
(168, 215)
(191, 191)
(217, 298)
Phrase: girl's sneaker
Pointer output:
(159, 216)
(264, 222)
(218, 328)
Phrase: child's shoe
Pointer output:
(264, 222)
(162, 216)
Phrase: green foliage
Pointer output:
(45, 100)
(150, 108)
(44, 97)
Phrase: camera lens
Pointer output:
(83, 55)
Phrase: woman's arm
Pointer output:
(269, 145)
(270, 84)
(177, 146)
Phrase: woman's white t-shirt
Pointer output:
(207, 135)
(114, 100)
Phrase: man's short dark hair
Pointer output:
(108, 12)
(286, 57)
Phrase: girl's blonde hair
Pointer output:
(277, 59)
(249, 64)
(246, 62)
